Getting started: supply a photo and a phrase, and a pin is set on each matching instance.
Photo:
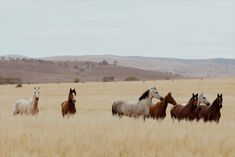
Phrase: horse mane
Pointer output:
(144, 95)
(215, 104)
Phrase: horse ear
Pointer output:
(221, 95)
(218, 95)
(193, 94)
(34, 87)
(196, 95)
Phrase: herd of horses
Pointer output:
(198, 107)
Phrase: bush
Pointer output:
(108, 79)
(76, 80)
(10, 80)
(104, 62)
(19, 85)
(131, 78)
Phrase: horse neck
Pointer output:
(70, 102)
(164, 103)
(214, 106)
(147, 101)
(190, 105)
(69, 99)
(34, 103)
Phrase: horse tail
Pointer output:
(114, 112)
(15, 108)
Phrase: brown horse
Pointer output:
(68, 106)
(185, 112)
(212, 113)
(158, 111)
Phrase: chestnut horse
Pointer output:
(212, 113)
(68, 106)
(158, 111)
(185, 112)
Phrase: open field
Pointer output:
(94, 132)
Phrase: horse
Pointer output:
(68, 106)
(158, 111)
(201, 100)
(26, 107)
(185, 112)
(141, 108)
(212, 113)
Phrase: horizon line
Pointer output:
(43, 57)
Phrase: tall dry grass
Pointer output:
(94, 132)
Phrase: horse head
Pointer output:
(194, 100)
(151, 93)
(36, 93)
(219, 100)
(154, 93)
(202, 99)
(170, 99)
(72, 95)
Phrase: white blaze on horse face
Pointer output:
(74, 97)
(36, 93)
(202, 99)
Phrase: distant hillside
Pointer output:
(187, 67)
(43, 71)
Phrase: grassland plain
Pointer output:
(94, 132)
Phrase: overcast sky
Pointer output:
(173, 28)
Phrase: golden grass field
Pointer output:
(94, 132)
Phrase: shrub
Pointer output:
(76, 80)
(108, 79)
(104, 62)
(19, 85)
(131, 78)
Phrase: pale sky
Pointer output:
(159, 28)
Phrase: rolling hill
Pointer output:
(187, 67)
(44, 71)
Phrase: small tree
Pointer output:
(19, 85)
(131, 78)
(115, 63)
(108, 79)
(76, 80)
(104, 62)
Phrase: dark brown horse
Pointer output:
(68, 106)
(212, 113)
(185, 112)
(158, 111)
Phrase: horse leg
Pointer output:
(120, 115)
(15, 111)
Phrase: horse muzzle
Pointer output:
(37, 99)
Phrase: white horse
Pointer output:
(30, 106)
(201, 100)
(141, 108)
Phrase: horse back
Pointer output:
(176, 110)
